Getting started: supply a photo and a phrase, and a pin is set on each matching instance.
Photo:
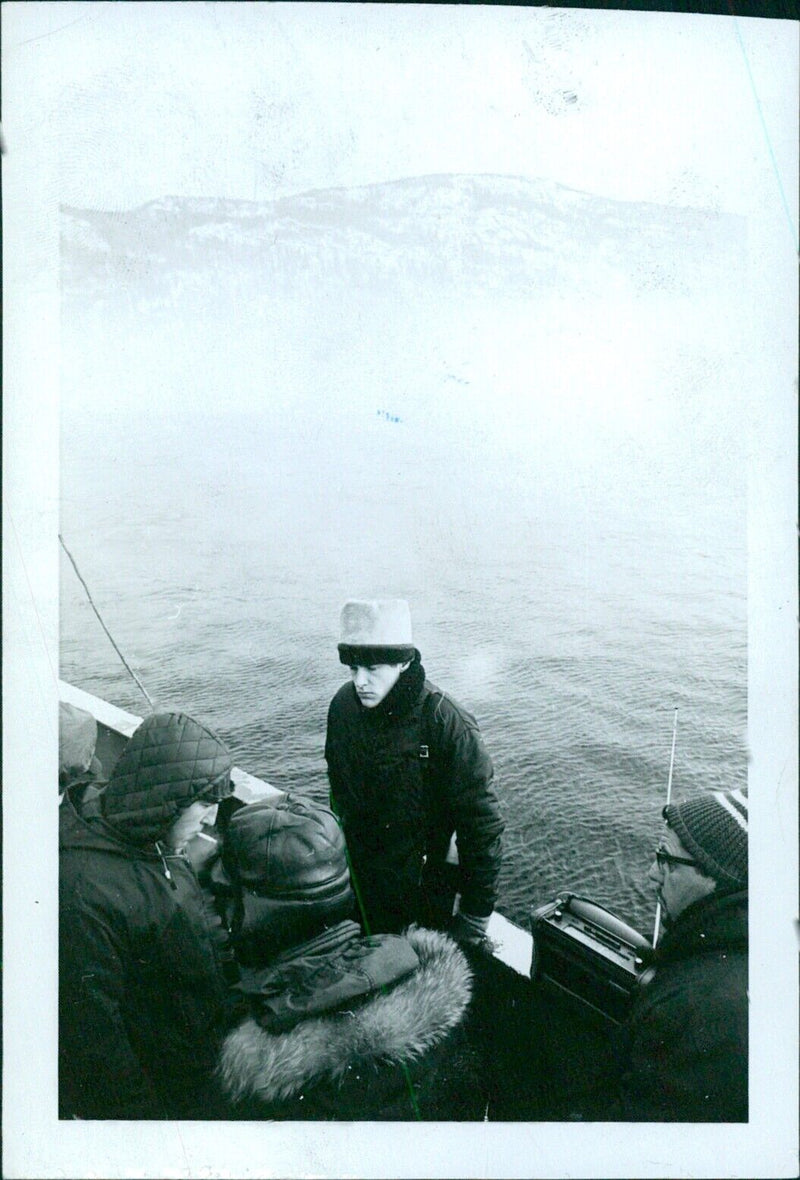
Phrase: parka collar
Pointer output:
(403, 696)
(716, 922)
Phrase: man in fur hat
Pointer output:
(684, 1047)
(341, 1025)
(408, 769)
(143, 998)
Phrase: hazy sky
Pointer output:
(260, 100)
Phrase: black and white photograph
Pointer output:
(400, 579)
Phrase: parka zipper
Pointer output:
(167, 873)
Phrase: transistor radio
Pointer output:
(585, 952)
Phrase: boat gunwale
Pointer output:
(512, 946)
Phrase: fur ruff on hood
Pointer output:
(396, 1026)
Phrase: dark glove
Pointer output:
(470, 930)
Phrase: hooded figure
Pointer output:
(341, 1026)
(684, 1047)
(77, 741)
(408, 769)
(142, 994)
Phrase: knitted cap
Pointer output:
(713, 828)
(376, 632)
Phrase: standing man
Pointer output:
(684, 1047)
(142, 993)
(408, 769)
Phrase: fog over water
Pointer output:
(519, 406)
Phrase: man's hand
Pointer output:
(201, 851)
(470, 930)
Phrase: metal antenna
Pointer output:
(657, 927)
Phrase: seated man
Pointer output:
(342, 1026)
(143, 999)
(684, 1046)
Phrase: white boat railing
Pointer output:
(513, 945)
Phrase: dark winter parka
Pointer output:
(389, 1051)
(143, 1001)
(404, 776)
(684, 1049)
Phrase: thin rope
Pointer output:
(102, 624)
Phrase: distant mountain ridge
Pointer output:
(484, 231)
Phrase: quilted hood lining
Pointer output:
(170, 761)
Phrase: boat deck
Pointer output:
(546, 1057)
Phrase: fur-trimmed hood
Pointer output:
(395, 1026)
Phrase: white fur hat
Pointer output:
(381, 627)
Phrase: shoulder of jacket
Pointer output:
(78, 835)
(670, 998)
(343, 699)
(446, 712)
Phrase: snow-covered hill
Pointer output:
(501, 233)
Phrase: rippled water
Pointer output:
(572, 598)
